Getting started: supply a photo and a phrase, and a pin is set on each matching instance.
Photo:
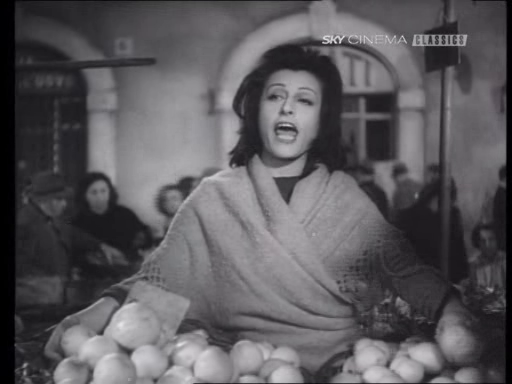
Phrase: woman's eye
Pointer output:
(306, 101)
(274, 96)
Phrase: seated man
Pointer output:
(488, 265)
(46, 246)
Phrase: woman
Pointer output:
(488, 265)
(284, 247)
(168, 200)
(101, 216)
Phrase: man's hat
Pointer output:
(47, 184)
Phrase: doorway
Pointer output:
(50, 118)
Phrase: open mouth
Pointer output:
(286, 132)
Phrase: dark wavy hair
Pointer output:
(326, 148)
(86, 182)
(160, 196)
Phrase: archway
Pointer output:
(306, 26)
(101, 87)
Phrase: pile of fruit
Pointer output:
(134, 348)
(452, 358)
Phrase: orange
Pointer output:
(194, 337)
(286, 374)
(134, 325)
(266, 348)
(385, 347)
(469, 375)
(213, 365)
(95, 348)
(149, 361)
(250, 379)
(391, 378)
(460, 346)
(200, 332)
(345, 377)
(270, 366)
(186, 353)
(442, 379)
(409, 370)
(370, 356)
(74, 337)
(349, 366)
(287, 354)
(429, 355)
(73, 369)
(374, 373)
(362, 343)
(247, 356)
(177, 375)
(116, 368)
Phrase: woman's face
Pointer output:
(488, 243)
(289, 116)
(97, 196)
(172, 201)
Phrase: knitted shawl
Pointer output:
(291, 274)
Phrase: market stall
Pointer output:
(393, 328)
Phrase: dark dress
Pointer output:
(500, 217)
(120, 228)
(422, 227)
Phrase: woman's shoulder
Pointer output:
(345, 180)
(222, 178)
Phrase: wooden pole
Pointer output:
(85, 64)
(445, 203)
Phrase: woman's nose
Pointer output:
(287, 107)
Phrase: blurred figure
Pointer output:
(365, 176)
(46, 246)
(432, 174)
(406, 189)
(101, 216)
(488, 265)
(194, 181)
(500, 209)
(422, 223)
(168, 200)
(187, 184)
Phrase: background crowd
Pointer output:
(74, 242)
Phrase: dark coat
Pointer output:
(422, 227)
(46, 246)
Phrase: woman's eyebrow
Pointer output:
(283, 85)
(308, 89)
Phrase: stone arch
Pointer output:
(101, 87)
(300, 27)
